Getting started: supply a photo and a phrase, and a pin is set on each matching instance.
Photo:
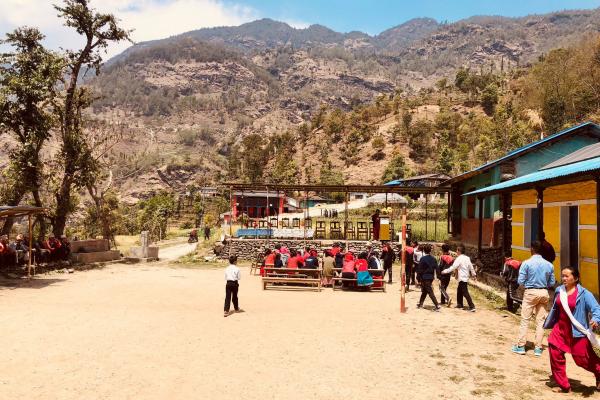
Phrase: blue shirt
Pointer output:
(536, 273)
(585, 305)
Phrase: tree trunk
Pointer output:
(63, 206)
(40, 217)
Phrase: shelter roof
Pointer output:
(334, 188)
(19, 211)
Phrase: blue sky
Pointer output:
(375, 16)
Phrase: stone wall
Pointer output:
(248, 249)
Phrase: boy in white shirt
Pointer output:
(232, 276)
(465, 271)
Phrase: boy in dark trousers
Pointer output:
(446, 261)
(388, 257)
(426, 270)
(232, 276)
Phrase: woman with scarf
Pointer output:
(571, 333)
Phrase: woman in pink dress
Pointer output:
(565, 337)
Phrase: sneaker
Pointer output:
(239, 310)
(437, 309)
(460, 307)
(419, 305)
(226, 314)
(538, 351)
(472, 309)
(518, 349)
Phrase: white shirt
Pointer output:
(417, 256)
(232, 273)
(464, 266)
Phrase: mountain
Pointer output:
(186, 101)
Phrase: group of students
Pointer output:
(14, 253)
(422, 269)
(352, 266)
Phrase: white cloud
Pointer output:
(150, 19)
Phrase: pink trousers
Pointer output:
(584, 357)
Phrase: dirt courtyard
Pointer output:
(158, 332)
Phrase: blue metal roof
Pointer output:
(523, 149)
(581, 167)
(392, 183)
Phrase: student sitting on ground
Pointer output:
(65, 249)
(21, 249)
(53, 245)
(4, 251)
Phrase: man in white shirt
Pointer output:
(465, 271)
(232, 276)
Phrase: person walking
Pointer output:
(409, 268)
(463, 264)
(446, 261)
(568, 320)
(537, 275)
(388, 257)
(206, 232)
(232, 277)
(426, 270)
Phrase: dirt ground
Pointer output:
(158, 332)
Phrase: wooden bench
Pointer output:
(304, 276)
(255, 267)
(373, 272)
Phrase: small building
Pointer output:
(559, 199)
(314, 200)
(427, 180)
(357, 196)
(464, 210)
(258, 203)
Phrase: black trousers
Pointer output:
(231, 291)
(444, 282)
(410, 275)
(389, 271)
(463, 291)
(427, 289)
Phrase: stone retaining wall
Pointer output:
(248, 249)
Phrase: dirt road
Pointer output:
(157, 332)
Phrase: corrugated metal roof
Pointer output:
(417, 177)
(528, 180)
(585, 153)
(521, 150)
